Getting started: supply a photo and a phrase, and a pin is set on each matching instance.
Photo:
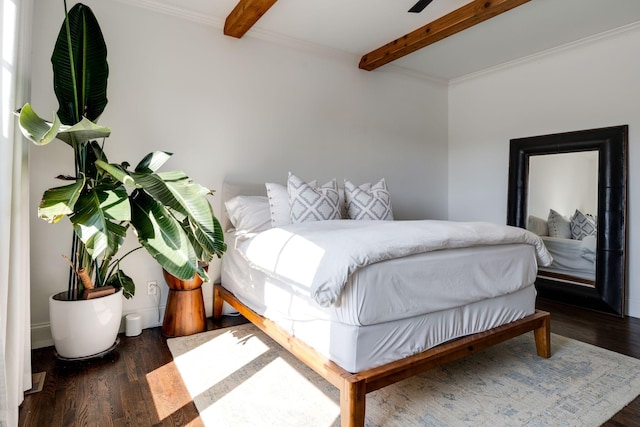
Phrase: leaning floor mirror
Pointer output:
(571, 189)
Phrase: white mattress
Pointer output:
(382, 318)
(393, 289)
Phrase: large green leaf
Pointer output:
(116, 171)
(97, 216)
(120, 280)
(82, 131)
(162, 236)
(42, 132)
(153, 161)
(177, 191)
(60, 201)
(80, 68)
(36, 129)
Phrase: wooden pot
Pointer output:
(184, 313)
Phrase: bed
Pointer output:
(388, 319)
(572, 242)
(573, 259)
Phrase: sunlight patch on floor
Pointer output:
(210, 363)
(266, 398)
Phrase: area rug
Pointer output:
(239, 377)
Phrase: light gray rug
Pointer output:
(239, 377)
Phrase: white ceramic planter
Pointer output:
(84, 328)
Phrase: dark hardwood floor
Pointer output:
(137, 384)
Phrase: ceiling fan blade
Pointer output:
(419, 7)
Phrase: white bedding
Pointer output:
(572, 257)
(319, 257)
(337, 332)
(390, 290)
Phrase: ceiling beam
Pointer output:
(245, 15)
(460, 19)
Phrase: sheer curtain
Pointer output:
(15, 323)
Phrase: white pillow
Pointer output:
(310, 203)
(279, 203)
(537, 225)
(559, 226)
(582, 225)
(249, 213)
(368, 202)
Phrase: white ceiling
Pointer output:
(359, 26)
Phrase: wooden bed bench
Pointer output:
(354, 386)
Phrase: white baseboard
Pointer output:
(41, 332)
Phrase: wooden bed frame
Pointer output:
(354, 386)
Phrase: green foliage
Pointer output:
(170, 213)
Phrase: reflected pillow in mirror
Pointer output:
(559, 226)
(537, 225)
(582, 225)
(249, 213)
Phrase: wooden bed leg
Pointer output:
(543, 337)
(352, 403)
(217, 302)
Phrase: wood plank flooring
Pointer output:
(137, 385)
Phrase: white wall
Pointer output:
(241, 109)
(563, 182)
(586, 86)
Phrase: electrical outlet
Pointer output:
(152, 288)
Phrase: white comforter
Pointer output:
(320, 256)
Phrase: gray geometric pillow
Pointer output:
(372, 204)
(310, 203)
(582, 225)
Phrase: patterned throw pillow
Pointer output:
(368, 204)
(582, 225)
(310, 203)
(559, 226)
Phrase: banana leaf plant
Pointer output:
(170, 214)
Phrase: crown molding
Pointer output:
(177, 12)
(275, 38)
(549, 52)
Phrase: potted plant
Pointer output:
(169, 213)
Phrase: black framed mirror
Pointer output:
(606, 292)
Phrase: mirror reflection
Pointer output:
(602, 286)
(562, 207)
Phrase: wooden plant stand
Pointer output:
(185, 313)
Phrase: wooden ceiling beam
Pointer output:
(245, 15)
(460, 19)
